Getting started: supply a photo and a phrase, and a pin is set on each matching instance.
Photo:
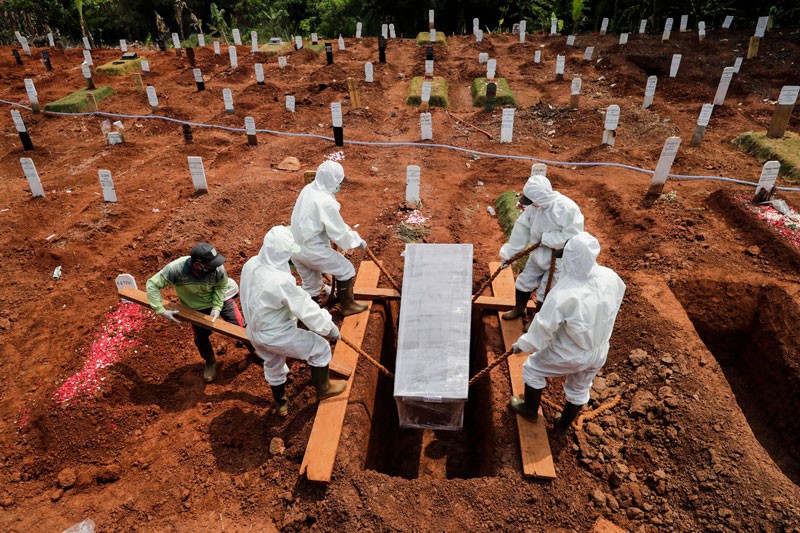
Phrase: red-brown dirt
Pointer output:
(699, 441)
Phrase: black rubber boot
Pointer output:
(320, 377)
(210, 370)
(527, 322)
(281, 401)
(347, 301)
(529, 407)
(567, 416)
(520, 302)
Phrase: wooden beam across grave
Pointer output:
(327, 430)
(220, 326)
(494, 303)
(537, 460)
(375, 293)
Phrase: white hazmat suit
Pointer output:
(315, 223)
(570, 335)
(272, 303)
(551, 220)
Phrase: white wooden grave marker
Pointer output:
(428, 67)
(145, 64)
(643, 26)
(523, 28)
(336, 114)
(667, 30)
(341, 43)
(412, 184)
(298, 42)
(123, 45)
(358, 30)
(663, 167)
(33, 96)
(684, 23)
(611, 123)
(392, 34)
(722, 88)
(476, 25)
(227, 98)
(769, 174)
(702, 122)
(87, 57)
(125, 281)
(290, 103)
(253, 42)
(282, 62)
(234, 58)
(152, 99)
(623, 38)
(479, 36)
(537, 56)
(761, 27)
(675, 65)
(588, 53)
(19, 124)
(726, 24)
(176, 41)
(433, 36)
(575, 92)
(483, 57)
(604, 26)
(553, 26)
(426, 125)
(368, 72)
(198, 173)
(217, 50)
(34, 182)
(201, 39)
(50, 40)
(86, 44)
(237, 37)
(650, 91)
(539, 169)
(783, 111)
(737, 65)
(25, 46)
(385, 31)
(701, 31)
(560, 60)
(491, 69)
(507, 125)
(430, 17)
(107, 184)
(259, 68)
(250, 130)
(570, 40)
(314, 38)
(425, 93)
(198, 79)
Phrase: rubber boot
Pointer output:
(210, 370)
(529, 407)
(281, 401)
(320, 377)
(347, 301)
(520, 302)
(567, 416)
(527, 322)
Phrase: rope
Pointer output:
(550, 274)
(489, 368)
(593, 414)
(409, 144)
(515, 257)
(369, 358)
(380, 266)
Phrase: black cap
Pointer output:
(524, 200)
(207, 254)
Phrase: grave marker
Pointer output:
(237, 37)
(588, 53)
(227, 99)
(385, 31)
(152, 99)
(611, 123)
(336, 120)
(737, 65)
(432, 35)
(198, 172)
(684, 23)
(329, 53)
(761, 26)
(766, 183)
(34, 182)
(125, 280)
(87, 58)
(560, 60)
(145, 64)
(642, 26)
(355, 95)
(623, 38)
(479, 36)
(341, 42)
(553, 26)
(368, 71)
(604, 26)
(425, 95)
(187, 134)
(483, 57)
(539, 169)
(201, 40)
(162, 46)
(107, 184)
(137, 82)
(290, 103)
(392, 34)
(783, 111)
(726, 24)
(88, 75)
(217, 50)
(430, 19)
(537, 56)
(358, 30)
(649, 91)
(46, 60)
(722, 88)
(253, 42)
(476, 25)
(491, 69)
(259, 68)
(250, 129)
(50, 40)
(190, 56)
(298, 42)
(314, 39)
(16, 57)
(123, 45)
(702, 122)
(675, 65)
(523, 28)
(491, 95)
(667, 30)
(198, 79)
(429, 52)
(282, 62)
(176, 42)
(381, 50)
(426, 126)
(428, 68)
(575, 93)
(86, 44)
(663, 167)
(33, 97)
(233, 57)
(701, 31)
(91, 102)
(507, 125)
(22, 130)
(755, 40)
(412, 184)
(570, 40)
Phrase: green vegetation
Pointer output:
(786, 150)
(438, 92)
(276, 49)
(424, 38)
(411, 233)
(120, 67)
(507, 214)
(76, 102)
(504, 95)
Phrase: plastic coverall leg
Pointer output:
(534, 276)
(295, 343)
(537, 368)
(311, 269)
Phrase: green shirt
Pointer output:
(196, 293)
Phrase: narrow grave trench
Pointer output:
(751, 331)
(421, 453)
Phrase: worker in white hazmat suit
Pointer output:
(272, 303)
(550, 219)
(570, 335)
(315, 223)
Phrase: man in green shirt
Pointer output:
(201, 283)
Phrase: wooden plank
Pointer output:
(202, 320)
(537, 460)
(375, 293)
(494, 303)
(324, 439)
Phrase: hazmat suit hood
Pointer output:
(330, 175)
(539, 191)
(580, 255)
(278, 248)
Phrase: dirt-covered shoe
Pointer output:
(210, 371)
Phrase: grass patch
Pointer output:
(120, 66)
(507, 215)
(76, 102)
(318, 48)
(438, 92)
(276, 49)
(424, 37)
(786, 150)
(412, 233)
(504, 95)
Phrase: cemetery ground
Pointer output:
(704, 355)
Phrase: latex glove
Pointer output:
(214, 315)
(334, 332)
(515, 348)
(504, 265)
(363, 245)
(170, 315)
